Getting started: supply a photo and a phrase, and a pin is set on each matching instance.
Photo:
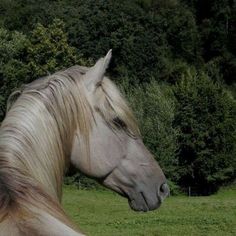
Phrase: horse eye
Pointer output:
(119, 123)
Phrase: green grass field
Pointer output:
(105, 213)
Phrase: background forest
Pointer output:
(174, 59)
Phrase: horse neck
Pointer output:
(37, 133)
(32, 144)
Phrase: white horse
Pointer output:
(77, 117)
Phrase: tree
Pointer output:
(48, 50)
(205, 117)
(25, 58)
(13, 68)
(216, 26)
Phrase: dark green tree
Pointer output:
(48, 50)
(216, 25)
(13, 68)
(25, 58)
(205, 117)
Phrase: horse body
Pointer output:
(74, 116)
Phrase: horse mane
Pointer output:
(37, 134)
(40, 126)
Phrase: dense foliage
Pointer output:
(205, 115)
(28, 57)
(175, 59)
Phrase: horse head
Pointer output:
(117, 156)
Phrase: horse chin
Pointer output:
(138, 200)
(140, 203)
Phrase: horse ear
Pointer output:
(96, 73)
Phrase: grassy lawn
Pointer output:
(105, 213)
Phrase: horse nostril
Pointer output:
(164, 190)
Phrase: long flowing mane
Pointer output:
(36, 139)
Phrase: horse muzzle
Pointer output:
(148, 200)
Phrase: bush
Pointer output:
(82, 182)
(174, 188)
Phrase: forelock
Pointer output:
(111, 104)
